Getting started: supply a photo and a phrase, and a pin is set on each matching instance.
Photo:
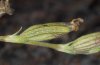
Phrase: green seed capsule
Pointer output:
(43, 32)
(49, 31)
(86, 44)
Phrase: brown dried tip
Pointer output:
(75, 23)
(5, 7)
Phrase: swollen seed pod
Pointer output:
(49, 31)
(86, 44)
(42, 32)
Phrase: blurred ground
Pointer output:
(31, 12)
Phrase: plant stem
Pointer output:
(44, 44)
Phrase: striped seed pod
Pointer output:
(42, 32)
(86, 44)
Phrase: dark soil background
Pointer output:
(31, 12)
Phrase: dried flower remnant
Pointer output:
(5, 7)
(76, 23)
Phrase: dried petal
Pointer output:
(5, 8)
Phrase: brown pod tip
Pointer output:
(75, 23)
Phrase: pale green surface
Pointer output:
(47, 31)
(86, 44)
